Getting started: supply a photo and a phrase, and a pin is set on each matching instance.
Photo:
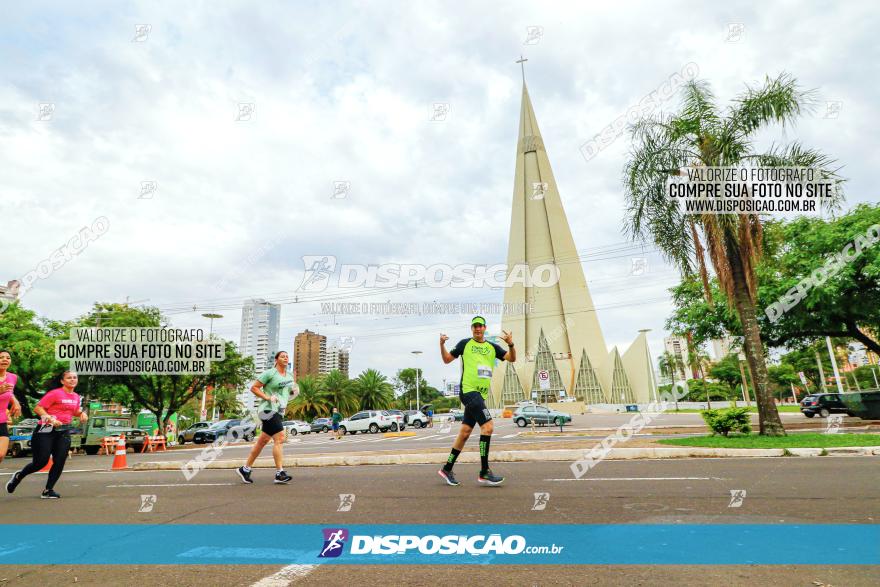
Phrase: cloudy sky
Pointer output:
(244, 116)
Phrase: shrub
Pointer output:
(725, 421)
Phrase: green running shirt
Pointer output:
(477, 362)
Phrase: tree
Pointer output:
(670, 365)
(340, 392)
(226, 402)
(29, 340)
(405, 388)
(162, 395)
(311, 402)
(701, 135)
(794, 250)
(374, 390)
(727, 371)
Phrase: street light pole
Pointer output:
(834, 364)
(418, 376)
(203, 413)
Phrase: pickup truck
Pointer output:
(100, 425)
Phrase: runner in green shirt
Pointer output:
(477, 361)
(273, 387)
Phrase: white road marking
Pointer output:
(285, 576)
(511, 435)
(178, 485)
(638, 479)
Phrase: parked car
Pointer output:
(321, 425)
(234, 429)
(185, 436)
(20, 437)
(368, 420)
(294, 427)
(398, 419)
(541, 415)
(457, 415)
(823, 404)
(399, 413)
(416, 418)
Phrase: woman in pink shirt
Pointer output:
(52, 437)
(7, 399)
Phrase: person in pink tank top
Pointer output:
(8, 402)
(52, 437)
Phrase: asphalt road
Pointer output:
(688, 491)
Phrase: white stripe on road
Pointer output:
(638, 479)
(178, 485)
(511, 435)
(285, 576)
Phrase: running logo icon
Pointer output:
(346, 500)
(736, 498)
(318, 269)
(541, 500)
(334, 542)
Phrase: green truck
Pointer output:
(100, 425)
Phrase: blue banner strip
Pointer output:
(619, 544)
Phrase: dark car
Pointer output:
(457, 415)
(321, 425)
(185, 436)
(231, 429)
(823, 404)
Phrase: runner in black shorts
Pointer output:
(477, 361)
(273, 387)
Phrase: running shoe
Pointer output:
(488, 478)
(49, 494)
(448, 477)
(282, 477)
(245, 475)
(13, 482)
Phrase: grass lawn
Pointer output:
(724, 405)
(794, 440)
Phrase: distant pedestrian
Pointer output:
(337, 418)
(7, 398)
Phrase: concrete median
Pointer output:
(500, 456)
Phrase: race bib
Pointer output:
(484, 372)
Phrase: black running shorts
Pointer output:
(475, 410)
(273, 425)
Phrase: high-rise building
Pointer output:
(334, 358)
(309, 353)
(561, 348)
(260, 326)
(721, 347)
(10, 290)
(677, 346)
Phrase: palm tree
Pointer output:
(670, 365)
(701, 135)
(374, 390)
(311, 401)
(340, 392)
(226, 402)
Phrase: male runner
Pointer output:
(477, 360)
(273, 388)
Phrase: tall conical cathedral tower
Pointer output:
(562, 334)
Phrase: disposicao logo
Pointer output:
(334, 542)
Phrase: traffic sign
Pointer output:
(544, 379)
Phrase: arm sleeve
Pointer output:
(265, 377)
(459, 348)
(499, 352)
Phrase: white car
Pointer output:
(416, 418)
(294, 427)
(368, 421)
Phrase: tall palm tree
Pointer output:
(670, 365)
(311, 401)
(702, 135)
(375, 392)
(340, 392)
(226, 401)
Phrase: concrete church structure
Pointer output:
(562, 352)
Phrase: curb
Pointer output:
(510, 456)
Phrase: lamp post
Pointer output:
(203, 413)
(418, 376)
